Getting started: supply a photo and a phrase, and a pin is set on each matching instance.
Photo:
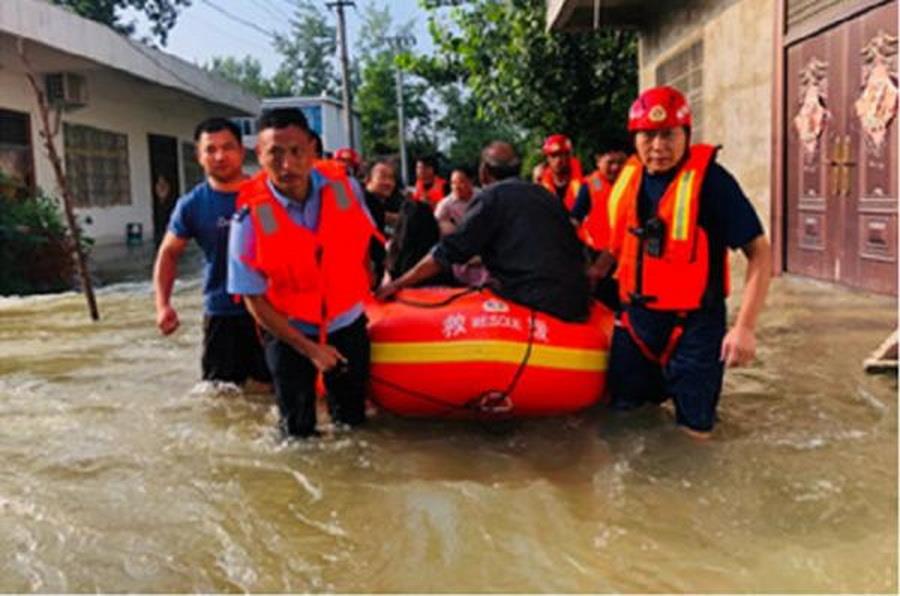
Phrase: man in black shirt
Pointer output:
(522, 234)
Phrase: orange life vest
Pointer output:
(433, 195)
(572, 188)
(312, 275)
(677, 279)
(595, 227)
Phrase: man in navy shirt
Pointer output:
(674, 214)
(231, 347)
(524, 238)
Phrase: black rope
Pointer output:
(476, 403)
(446, 301)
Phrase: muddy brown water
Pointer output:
(121, 473)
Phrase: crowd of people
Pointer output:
(293, 252)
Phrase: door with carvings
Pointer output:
(868, 178)
(842, 153)
(815, 105)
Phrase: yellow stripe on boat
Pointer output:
(512, 352)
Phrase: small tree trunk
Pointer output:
(48, 134)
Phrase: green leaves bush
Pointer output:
(34, 244)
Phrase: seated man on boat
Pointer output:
(522, 234)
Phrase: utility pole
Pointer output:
(400, 43)
(346, 97)
(401, 129)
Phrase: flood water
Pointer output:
(121, 473)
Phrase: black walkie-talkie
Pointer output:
(654, 235)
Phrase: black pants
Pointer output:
(232, 351)
(294, 376)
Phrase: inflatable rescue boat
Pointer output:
(467, 353)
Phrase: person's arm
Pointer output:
(244, 280)
(427, 267)
(582, 205)
(165, 269)
(324, 357)
(442, 215)
(601, 267)
(739, 345)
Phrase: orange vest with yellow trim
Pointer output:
(312, 275)
(678, 278)
(433, 195)
(595, 228)
(571, 189)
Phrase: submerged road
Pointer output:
(121, 473)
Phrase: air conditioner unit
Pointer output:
(66, 90)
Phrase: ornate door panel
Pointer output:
(815, 104)
(869, 178)
(842, 153)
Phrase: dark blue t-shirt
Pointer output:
(726, 215)
(205, 215)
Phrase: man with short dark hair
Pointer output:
(524, 238)
(298, 256)
(231, 348)
(430, 188)
(590, 207)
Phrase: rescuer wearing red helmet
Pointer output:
(674, 213)
(562, 176)
(350, 158)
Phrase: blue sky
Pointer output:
(203, 32)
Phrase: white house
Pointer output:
(324, 114)
(128, 121)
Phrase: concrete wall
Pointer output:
(121, 104)
(737, 81)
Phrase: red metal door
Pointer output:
(868, 186)
(842, 153)
(815, 106)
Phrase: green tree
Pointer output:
(247, 73)
(379, 52)
(538, 81)
(308, 52)
(162, 14)
(467, 130)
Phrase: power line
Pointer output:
(238, 19)
(269, 10)
(280, 11)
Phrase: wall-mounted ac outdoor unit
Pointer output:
(66, 90)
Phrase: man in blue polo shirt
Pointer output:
(231, 347)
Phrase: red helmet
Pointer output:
(557, 144)
(347, 154)
(659, 107)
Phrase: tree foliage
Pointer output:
(378, 50)
(247, 73)
(162, 14)
(308, 52)
(538, 81)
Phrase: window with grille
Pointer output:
(684, 71)
(97, 166)
(191, 170)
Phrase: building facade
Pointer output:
(802, 96)
(127, 120)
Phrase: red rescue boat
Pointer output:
(466, 353)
